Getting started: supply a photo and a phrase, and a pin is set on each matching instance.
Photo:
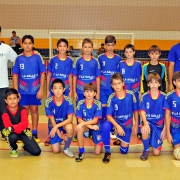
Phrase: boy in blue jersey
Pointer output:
(28, 78)
(154, 65)
(172, 107)
(131, 70)
(152, 114)
(88, 112)
(109, 63)
(121, 105)
(86, 69)
(60, 67)
(59, 109)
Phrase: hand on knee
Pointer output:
(124, 150)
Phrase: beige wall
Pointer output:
(132, 15)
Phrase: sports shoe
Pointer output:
(75, 138)
(144, 155)
(112, 135)
(139, 135)
(107, 157)
(80, 157)
(47, 142)
(14, 153)
(35, 136)
(69, 153)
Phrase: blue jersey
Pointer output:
(131, 75)
(174, 56)
(60, 69)
(154, 108)
(29, 70)
(122, 109)
(61, 112)
(109, 66)
(86, 71)
(88, 113)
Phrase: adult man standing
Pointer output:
(6, 53)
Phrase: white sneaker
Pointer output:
(69, 153)
(112, 135)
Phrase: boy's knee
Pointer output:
(124, 150)
(36, 152)
(156, 153)
(55, 151)
(69, 128)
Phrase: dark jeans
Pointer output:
(30, 145)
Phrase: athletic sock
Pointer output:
(146, 144)
(81, 150)
(34, 131)
(67, 143)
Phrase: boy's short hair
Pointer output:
(116, 76)
(129, 46)
(176, 76)
(110, 39)
(154, 76)
(0, 28)
(87, 40)
(154, 48)
(13, 32)
(90, 86)
(62, 40)
(28, 37)
(10, 91)
(58, 81)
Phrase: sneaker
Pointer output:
(144, 155)
(107, 157)
(69, 153)
(36, 138)
(139, 135)
(80, 157)
(47, 142)
(75, 139)
(19, 141)
(112, 135)
(14, 153)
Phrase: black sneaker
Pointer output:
(144, 155)
(139, 135)
(80, 157)
(107, 157)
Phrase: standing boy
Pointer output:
(59, 109)
(121, 105)
(152, 114)
(89, 112)
(28, 79)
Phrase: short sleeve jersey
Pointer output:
(88, 113)
(109, 66)
(154, 108)
(86, 71)
(60, 69)
(122, 109)
(61, 112)
(131, 75)
(173, 104)
(29, 70)
(174, 56)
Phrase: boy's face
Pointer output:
(62, 48)
(87, 49)
(177, 83)
(110, 47)
(129, 53)
(27, 45)
(58, 90)
(154, 56)
(89, 94)
(12, 100)
(154, 85)
(117, 85)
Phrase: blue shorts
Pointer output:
(29, 99)
(56, 138)
(127, 137)
(104, 95)
(175, 133)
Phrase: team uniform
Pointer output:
(155, 116)
(160, 69)
(60, 69)
(109, 66)
(29, 69)
(6, 53)
(89, 113)
(174, 56)
(86, 71)
(173, 104)
(19, 122)
(60, 113)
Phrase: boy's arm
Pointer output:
(40, 92)
(98, 88)
(74, 88)
(168, 120)
(136, 117)
(48, 84)
(170, 75)
(15, 81)
(70, 85)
